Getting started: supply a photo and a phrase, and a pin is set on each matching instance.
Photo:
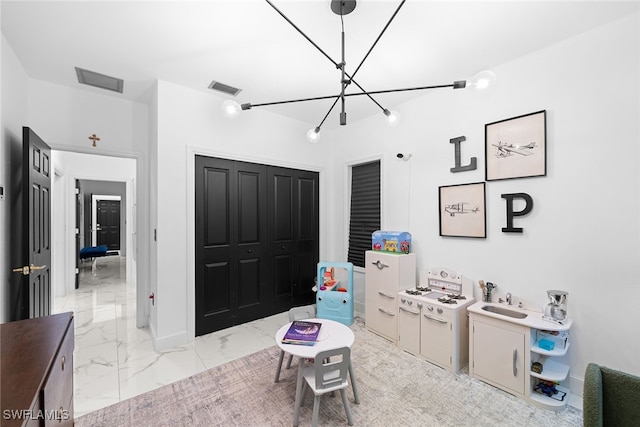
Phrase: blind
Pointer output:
(365, 210)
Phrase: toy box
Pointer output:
(391, 241)
(334, 299)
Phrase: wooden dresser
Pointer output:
(36, 372)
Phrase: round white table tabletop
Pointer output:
(332, 335)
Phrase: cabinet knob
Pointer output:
(62, 361)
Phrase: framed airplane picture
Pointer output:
(516, 147)
(462, 210)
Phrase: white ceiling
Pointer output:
(249, 45)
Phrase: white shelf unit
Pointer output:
(552, 371)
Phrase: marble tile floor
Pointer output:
(114, 360)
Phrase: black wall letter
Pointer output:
(510, 213)
(471, 166)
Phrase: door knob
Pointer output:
(28, 269)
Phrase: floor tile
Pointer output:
(114, 360)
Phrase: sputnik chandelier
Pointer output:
(343, 7)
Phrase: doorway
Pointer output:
(73, 167)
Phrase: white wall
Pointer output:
(583, 233)
(189, 123)
(13, 88)
(65, 117)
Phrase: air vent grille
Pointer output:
(221, 87)
(98, 80)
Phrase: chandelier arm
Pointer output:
(456, 85)
(264, 104)
(364, 92)
(350, 77)
(330, 110)
(303, 34)
(376, 42)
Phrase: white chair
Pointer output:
(328, 373)
(296, 313)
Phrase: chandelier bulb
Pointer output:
(230, 109)
(482, 80)
(393, 117)
(313, 135)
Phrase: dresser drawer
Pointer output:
(58, 388)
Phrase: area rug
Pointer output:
(396, 389)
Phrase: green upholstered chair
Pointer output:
(610, 397)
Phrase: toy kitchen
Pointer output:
(432, 318)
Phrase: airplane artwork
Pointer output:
(459, 208)
(506, 150)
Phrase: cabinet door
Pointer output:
(409, 329)
(436, 336)
(389, 273)
(498, 356)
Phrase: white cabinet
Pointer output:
(445, 337)
(498, 353)
(503, 353)
(385, 275)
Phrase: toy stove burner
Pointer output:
(447, 300)
(413, 292)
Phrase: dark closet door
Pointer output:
(231, 266)
(256, 241)
(293, 235)
(108, 224)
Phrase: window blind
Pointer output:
(365, 210)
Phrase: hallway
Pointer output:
(114, 360)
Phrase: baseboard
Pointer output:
(576, 386)
(170, 341)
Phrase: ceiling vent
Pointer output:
(102, 81)
(221, 87)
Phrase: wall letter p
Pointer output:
(510, 213)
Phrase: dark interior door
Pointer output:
(230, 240)
(78, 230)
(33, 297)
(108, 224)
(293, 235)
(256, 241)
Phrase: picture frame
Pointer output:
(462, 210)
(516, 147)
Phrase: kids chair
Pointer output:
(295, 313)
(328, 373)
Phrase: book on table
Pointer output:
(302, 332)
